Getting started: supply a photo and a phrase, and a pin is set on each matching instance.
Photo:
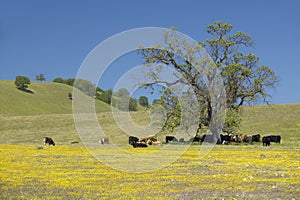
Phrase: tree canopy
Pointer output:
(244, 80)
(143, 101)
(22, 82)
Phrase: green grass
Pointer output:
(46, 98)
(26, 117)
(281, 120)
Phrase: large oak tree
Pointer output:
(245, 80)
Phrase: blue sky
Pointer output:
(54, 37)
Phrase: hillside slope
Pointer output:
(281, 120)
(46, 98)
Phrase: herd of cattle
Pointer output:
(224, 139)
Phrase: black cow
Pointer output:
(256, 138)
(49, 141)
(197, 138)
(266, 140)
(181, 140)
(275, 138)
(133, 139)
(139, 145)
(171, 139)
(225, 139)
(210, 139)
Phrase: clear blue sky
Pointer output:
(54, 37)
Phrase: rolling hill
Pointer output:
(44, 98)
(47, 111)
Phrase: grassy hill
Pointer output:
(46, 98)
(27, 117)
(281, 120)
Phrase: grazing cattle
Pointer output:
(248, 139)
(133, 139)
(235, 138)
(225, 139)
(171, 139)
(225, 142)
(256, 138)
(275, 138)
(49, 141)
(139, 145)
(209, 139)
(197, 138)
(266, 141)
(147, 139)
(75, 142)
(239, 138)
(104, 140)
(181, 140)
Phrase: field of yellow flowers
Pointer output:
(226, 172)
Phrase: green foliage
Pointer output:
(170, 103)
(58, 80)
(132, 104)
(232, 121)
(143, 101)
(22, 82)
(70, 96)
(122, 100)
(105, 96)
(69, 81)
(123, 92)
(157, 102)
(85, 86)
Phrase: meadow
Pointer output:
(65, 171)
(227, 172)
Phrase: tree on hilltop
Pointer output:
(244, 80)
(22, 82)
(40, 77)
(143, 101)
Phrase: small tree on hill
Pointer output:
(22, 82)
(58, 80)
(143, 101)
(70, 96)
(40, 77)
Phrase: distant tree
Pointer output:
(40, 77)
(105, 96)
(99, 90)
(69, 81)
(132, 104)
(22, 82)
(123, 92)
(85, 86)
(122, 100)
(156, 102)
(70, 96)
(58, 80)
(143, 101)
